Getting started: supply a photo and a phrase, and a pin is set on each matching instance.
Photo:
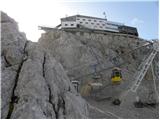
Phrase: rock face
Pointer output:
(36, 77)
(90, 57)
(34, 85)
(87, 55)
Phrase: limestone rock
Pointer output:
(34, 84)
(7, 85)
(12, 43)
(84, 54)
(36, 77)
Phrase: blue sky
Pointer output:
(143, 15)
(31, 13)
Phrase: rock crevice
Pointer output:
(34, 84)
(14, 98)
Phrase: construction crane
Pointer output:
(139, 75)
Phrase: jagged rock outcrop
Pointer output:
(12, 50)
(89, 58)
(34, 84)
(81, 53)
(36, 76)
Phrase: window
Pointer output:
(100, 21)
(72, 24)
(86, 22)
(100, 26)
(81, 22)
(94, 20)
(103, 24)
(84, 19)
(78, 19)
(92, 23)
(66, 24)
(97, 23)
(89, 20)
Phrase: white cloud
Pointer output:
(136, 22)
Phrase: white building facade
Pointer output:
(90, 23)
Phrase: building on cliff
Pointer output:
(94, 23)
(89, 22)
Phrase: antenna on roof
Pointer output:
(104, 13)
(66, 15)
